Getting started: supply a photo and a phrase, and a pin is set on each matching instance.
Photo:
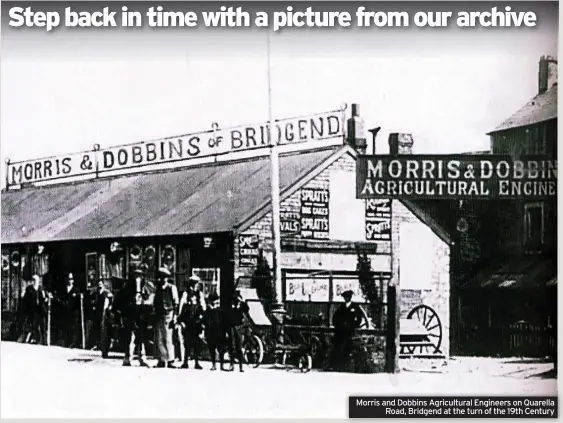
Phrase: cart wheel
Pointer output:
(305, 363)
(253, 352)
(428, 317)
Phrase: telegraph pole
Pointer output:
(277, 307)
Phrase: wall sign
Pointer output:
(290, 222)
(314, 213)
(248, 250)
(307, 289)
(455, 177)
(378, 220)
(182, 148)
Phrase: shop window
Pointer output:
(533, 226)
(210, 279)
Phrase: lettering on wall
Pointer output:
(248, 250)
(378, 220)
(290, 223)
(182, 148)
(314, 213)
(307, 289)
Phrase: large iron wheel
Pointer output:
(253, 350)
(430, 320)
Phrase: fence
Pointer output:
(515, 340)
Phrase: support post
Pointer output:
(49, 321)
(82, 321)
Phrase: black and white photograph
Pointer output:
(234, 221)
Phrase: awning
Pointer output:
(205, 199)
(522, 272)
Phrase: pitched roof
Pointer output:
(202, 199)
(541, 108)
(528, 272)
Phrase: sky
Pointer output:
(448, 94)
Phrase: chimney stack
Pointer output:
(400, 143)
(356, 134)
(547, 76)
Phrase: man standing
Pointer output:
(189, 318)
(136, 303)
(100, 312)
(70, 306)
(239, 311)
(35, 303)
(215, 330)
(165, 307)
(346, 319)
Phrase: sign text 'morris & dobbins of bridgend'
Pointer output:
(182, 148)
(439, 176)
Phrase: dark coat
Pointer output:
(347, 319)
(238, 313)
(34, 301)
(215, 325)
(70, 300)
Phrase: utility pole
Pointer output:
(277, 307)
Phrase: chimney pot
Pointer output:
(400, 143)
(547, 75)
(356, 136)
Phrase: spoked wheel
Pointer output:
(430, 320)
(305, 363)
(253, 351)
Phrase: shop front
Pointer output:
(212, 217)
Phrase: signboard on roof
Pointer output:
(455, 177)
(222, 144)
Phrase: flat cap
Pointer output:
(347, 294)
(164, 271)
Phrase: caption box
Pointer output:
(452, 407)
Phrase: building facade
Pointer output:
(214, 220)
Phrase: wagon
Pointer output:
(421, 334)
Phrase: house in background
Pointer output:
(504, 297)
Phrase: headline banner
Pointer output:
(455, 177)
(453, 407)
(318, 127)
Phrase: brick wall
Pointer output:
(436, 297)
(438, 294)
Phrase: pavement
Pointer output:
(53, 382)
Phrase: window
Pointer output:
(533, 226)
(210, 279)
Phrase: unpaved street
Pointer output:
(53, 382)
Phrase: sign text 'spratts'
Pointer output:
(455, 177)
(177, 149)
(314, 213)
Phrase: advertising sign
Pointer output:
(248, 245)
(307, 289)
(378, 219)
(314, 213)
(455, 177)
(182, 148)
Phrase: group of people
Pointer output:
(188, 318)
(181, 322)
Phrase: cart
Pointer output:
(260, 339)
(421, 334)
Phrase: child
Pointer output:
(214, 328)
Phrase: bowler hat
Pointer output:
(163, 271)
(347, 294)
(212, 297)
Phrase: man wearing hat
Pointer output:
(191, 309)
(345, 320)
(137, 304)
(165, 307)
(238, 312)
(69, 300)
